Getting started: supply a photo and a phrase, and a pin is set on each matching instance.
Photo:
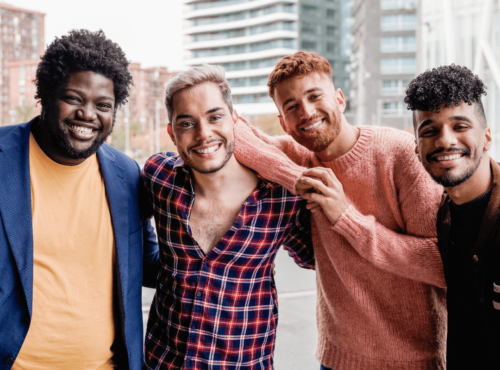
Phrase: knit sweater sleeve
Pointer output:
(279, 159)
(411, 252)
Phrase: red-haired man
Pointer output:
(381, 302)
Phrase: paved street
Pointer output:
(296, 338)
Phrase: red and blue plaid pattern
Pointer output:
(220, 310)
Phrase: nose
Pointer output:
(306, 110)
(204, 131)
(446, 138)
(87, 113)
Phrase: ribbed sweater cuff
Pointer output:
(350, 225)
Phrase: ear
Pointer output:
(416, 151)
(283, 124)
(171, 133)
(339, 95)
(487, 139)
(236, 117)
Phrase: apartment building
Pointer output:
(248, 38)
(383, 61)
(21, 38)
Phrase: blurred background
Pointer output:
(375, 47)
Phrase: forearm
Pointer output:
(271, 157)
(408, 256)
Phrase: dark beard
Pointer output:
(449, 181)
(60, 140)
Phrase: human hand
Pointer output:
(329, 193)
(304, 188)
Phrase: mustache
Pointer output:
(313, 118)
(215, 140)
(429, 157)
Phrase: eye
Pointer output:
(291, 107)
(428, 132)
(105, 107)
(314, 96)
(216, 118)
(461, 127)
(72, 99)
(186, 124)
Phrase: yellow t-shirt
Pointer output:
(72, 326)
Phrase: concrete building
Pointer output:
(21, 38)
(22, 91)
(383, 61)
(467, 33)
(248, 38)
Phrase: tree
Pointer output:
(25, 112)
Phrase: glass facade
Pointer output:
(248, 48)
(398, 44)
(400, 22)
(398, 65)
(231, 17)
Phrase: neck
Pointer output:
(476, 185)
(232, 178)
(344, 142)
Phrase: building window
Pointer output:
(330, 30)
(330, 47)
(398, 65)
(401, 22)
(308, 45)
(309, 28)
(330, 13)
(395, 109)
(398, 4)
(251, 98)
(399, 44)
(309, 10)
(332, 63)
(394, 87)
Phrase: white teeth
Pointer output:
(82, 130)
(207, 150)
(448, 157)
(313, 126)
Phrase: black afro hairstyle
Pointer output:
(82, 51)
(445, 85)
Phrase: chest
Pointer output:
(210, 220)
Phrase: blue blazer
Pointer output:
(135, 240)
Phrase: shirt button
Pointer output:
(475, 258)
(198, 294)
(9, 360)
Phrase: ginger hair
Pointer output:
(298, 64)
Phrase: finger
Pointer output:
(325, 174)
(319, 186)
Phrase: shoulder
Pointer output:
(276, 193)
(164, 161)
(388, 138)
(128, 164)
(14, 134)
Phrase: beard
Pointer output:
(320, 140)
(449, 180)
(229, 152)
(59, 139)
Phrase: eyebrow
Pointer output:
(305, 93)
(428, 122)
(81, 93)
(213, 110)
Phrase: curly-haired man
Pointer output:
(379, 274)
(453, 140)
(72, 240)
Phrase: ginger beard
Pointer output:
(319, 140)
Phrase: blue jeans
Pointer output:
(323, 367)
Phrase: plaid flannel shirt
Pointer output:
(219, 310)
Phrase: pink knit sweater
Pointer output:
(380, 296)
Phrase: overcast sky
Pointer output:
(149, 31)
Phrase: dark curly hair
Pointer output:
(445, 85)
(82, 51)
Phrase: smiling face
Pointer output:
(452, 143)
(310, 110)
(202, 127)
(80, 118)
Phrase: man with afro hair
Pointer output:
(73, 244)
(453, 140)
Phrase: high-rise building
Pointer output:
(21, 38)
(466, 33)
(22, 91)
(383, 61)
(248, 38)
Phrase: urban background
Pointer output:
(375, 47)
